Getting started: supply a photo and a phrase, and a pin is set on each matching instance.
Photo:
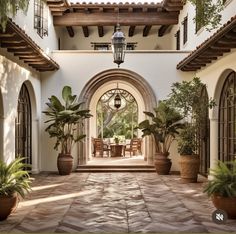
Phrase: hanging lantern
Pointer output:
(117, 101)
(118, 45)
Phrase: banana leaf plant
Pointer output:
(164, 125)
(65, 118)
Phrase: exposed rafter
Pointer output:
(70, 31)
(219, 43)
(85, 31)
(100, 31)
(100, 14)
(162, 30)
(131, 31)
(146, 30)
(16, 41)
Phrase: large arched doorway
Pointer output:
(227, 119)
(108, 80)
(23, 131)
(117, 115)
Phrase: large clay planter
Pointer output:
(189, 168)
(228, 204)
(162, 164)
(7, 204)
(64, 164)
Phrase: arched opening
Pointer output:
(227, 119)
(107, 80)
(23, 126)
(117, 115)
(204, 136)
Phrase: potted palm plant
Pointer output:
(64, 119)
(164, 125)
(222, 187)
(14, 182)
(186, 98)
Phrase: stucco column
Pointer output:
(213, 142)
(1, 136)
(150, 150)
(35, 146)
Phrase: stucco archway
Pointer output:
(214, 119)
(124, 76)
(34, 126)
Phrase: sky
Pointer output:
(115, 1)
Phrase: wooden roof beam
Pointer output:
(100, 31)
(162, 30)
(146, 30)
(109, 19)
(85, 31)
(70, 31)
(231, 35)
(131, 31)
(220, 48)
(14, 45)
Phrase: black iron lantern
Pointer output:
(118, 45)
(117, 101)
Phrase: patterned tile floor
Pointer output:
(114, 203)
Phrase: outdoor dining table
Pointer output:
(117, 150)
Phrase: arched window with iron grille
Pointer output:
(23, 133)
(227, 119)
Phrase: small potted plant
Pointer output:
(222, 187)
(117, 140)
(14, 182)
(164, 126)
(65, 119)
(186, 98)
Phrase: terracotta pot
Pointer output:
(189, 168)
(7, 204)
(162, 164)
(228, 204)
(64, 164)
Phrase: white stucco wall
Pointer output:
(214, 76)
(195, 39)
(78, 67)
(26, 22)
(12, 77)
(79, 42)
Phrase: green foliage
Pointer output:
(9, 8)
(187, 142)
(13, 178)
(186, 98)
(163, 126)
(224, 181)
(64, 119)
(117, 123)
(208, 13)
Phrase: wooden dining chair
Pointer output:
(133, 147)
(99, 147)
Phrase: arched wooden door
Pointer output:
(227, 120)
(23, 125)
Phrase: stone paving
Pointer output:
(114, 203)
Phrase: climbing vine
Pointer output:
(208, 13)
(9, 8)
